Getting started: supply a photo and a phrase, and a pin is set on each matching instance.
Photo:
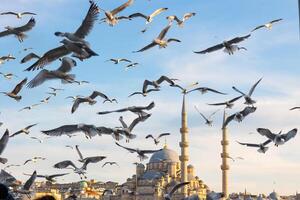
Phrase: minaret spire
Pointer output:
(184, 158)
(224, 156)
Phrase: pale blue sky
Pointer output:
(273, 55)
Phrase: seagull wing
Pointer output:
(295, 108)
(76, 104)
(253, 87)
(152, 44)
(164, 32)
(210, 49)
(266, 132)
(276, 20)
(30, 181)
(28, 13)
(165, 78)
(78, 151)
(248, 110)
(238, 39)
(163, 134)
(27, 27)
(177, 186)
(66, 65)
(266, 142)
(40, 78)
(28, 57)
(235, 99)
(88, 22)
(32, 125)
(157, 12)
(64, 164)
(63, 130)
(289, 135)
(9, 13)
(57, 175)
(248, 144)
(138, 15)
(234, 88)
(149, 136)
(18, 87)
(4, 140)
(122, 7)
(186, 16)
(258, 27)
(96, 93)
(127, 148)
(5, 33)
(201, 114)
(149, 151)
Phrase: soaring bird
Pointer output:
(89, 99)
(37, 139)
(50, 178)
(131, 65)
(110, 163)
(89, 130)
(46, 100)
(180, 22)
(8, 75)
(247, 97)
(239, 116)
(278, 139)
(3, 142)
(139, 110)
(267, 25)
(14, 94)
(24, 130)
(34, 160)
(169, 195)
(203, 90)
(163, 43)
(150, 17)
(18, 15)
(30, 107)
(141, 153)
(262, 147)
(228, 104)
(73, 97)
(156, 83)
(56, 89)
(3, 59)
(116, 133)
(83, 159)
(119, 60)
(19, 32)
(61, 73)
(156, 139)
(11, 165)
(229, 46)
(111, 16)
(27, 186)
(80, 171)
(84, 29)
(144, 93)
(208, 120)
(81, 82)
(29, 57)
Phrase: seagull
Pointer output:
(81, 82)
(180, 23)
(156, 140)
(208, 120)
(29, 57)
(89, 99)
(3, 59)
(52, 93)
(110, 100)
(30, 107)
(61, 73)
(233, 159)
(111, 16)
(37, 139)
(11, 165)
(228, 104)
(84, 29)
(46, 100)
(144, 93)
(80, 171)
(73, 97)
(229, 46)
(239, 116)
(28, 184)
(262, 147)
(82, 159)
(169, 195)
(18, 15)
(89, 130)
(247, 97)
(131, 65)
(19, 31)
(119, 60)
(68, 146)
(139, 110)
(150, 17)
(24, 130)
(25, 49)
(278, 139)
(14, 94)
(295, 108)
(3, 142)
(34, 159)
(116, 133)
(141, 153)
(203, 90)
(163, 43)
(8, 75)
(156, 83)
(49, 178)
(267, 25)
(110, 163)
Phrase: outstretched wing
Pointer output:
(28, 57)
(78, 151)
(127, 148)
(157, 12)
(289, 135)
(253, 87)
(57, 175)
(18, 87)
(121, 8)
(164, 32)
(152, 44)
(165, 78)
(66, 129)
(210, 49)
(228, 120)
(4, 140)
(94, 159)
(30, 181)
(266, 132)
(27, 27)
(238, 39)
(163, 134)
(64, 164)
(67, 64)
(96, 93)
(177, 186)
(248, 144)
(138, 15)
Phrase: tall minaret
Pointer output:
(184, 158)
(224, 156)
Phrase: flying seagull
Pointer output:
(160, 41)
(150, 17)
(203, 90)
(295, 108)
(247, 97)
(119, 60)
(267, 25)
(116, 133)
(56, 89)
(110, 163)
(83, 159)
(111, 16)
(84, 29)
(19, 32)
(239, 116)
(29, 57)
(8, 75)
(228, 104)
(131, 65)
(278, 139)
(262, 147)
(156, 83)
(18, 15)
(46, 100)
(24, 130)
(229, 46)
(14, 94)
(30, 107)
(89, 130)
(37, 139)
(6, 58)
(11, 165)
(34, 159)
(61, 73)
(3, 142)
(89, 99)
(208, 120)
(156, 139)
(169, 195)
(50, 178)
(180, 22)
(141, 153)
(27, 186)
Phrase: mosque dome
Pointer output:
(274, 196)
(166, 155)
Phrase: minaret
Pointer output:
(184, 158)
(224, 156)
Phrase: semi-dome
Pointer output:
(166, 155)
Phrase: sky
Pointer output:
(271, 54)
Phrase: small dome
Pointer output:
(274, 196)
(166, 155)
(190, 166)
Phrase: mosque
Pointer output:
(164, 170)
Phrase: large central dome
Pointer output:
(166, 155)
